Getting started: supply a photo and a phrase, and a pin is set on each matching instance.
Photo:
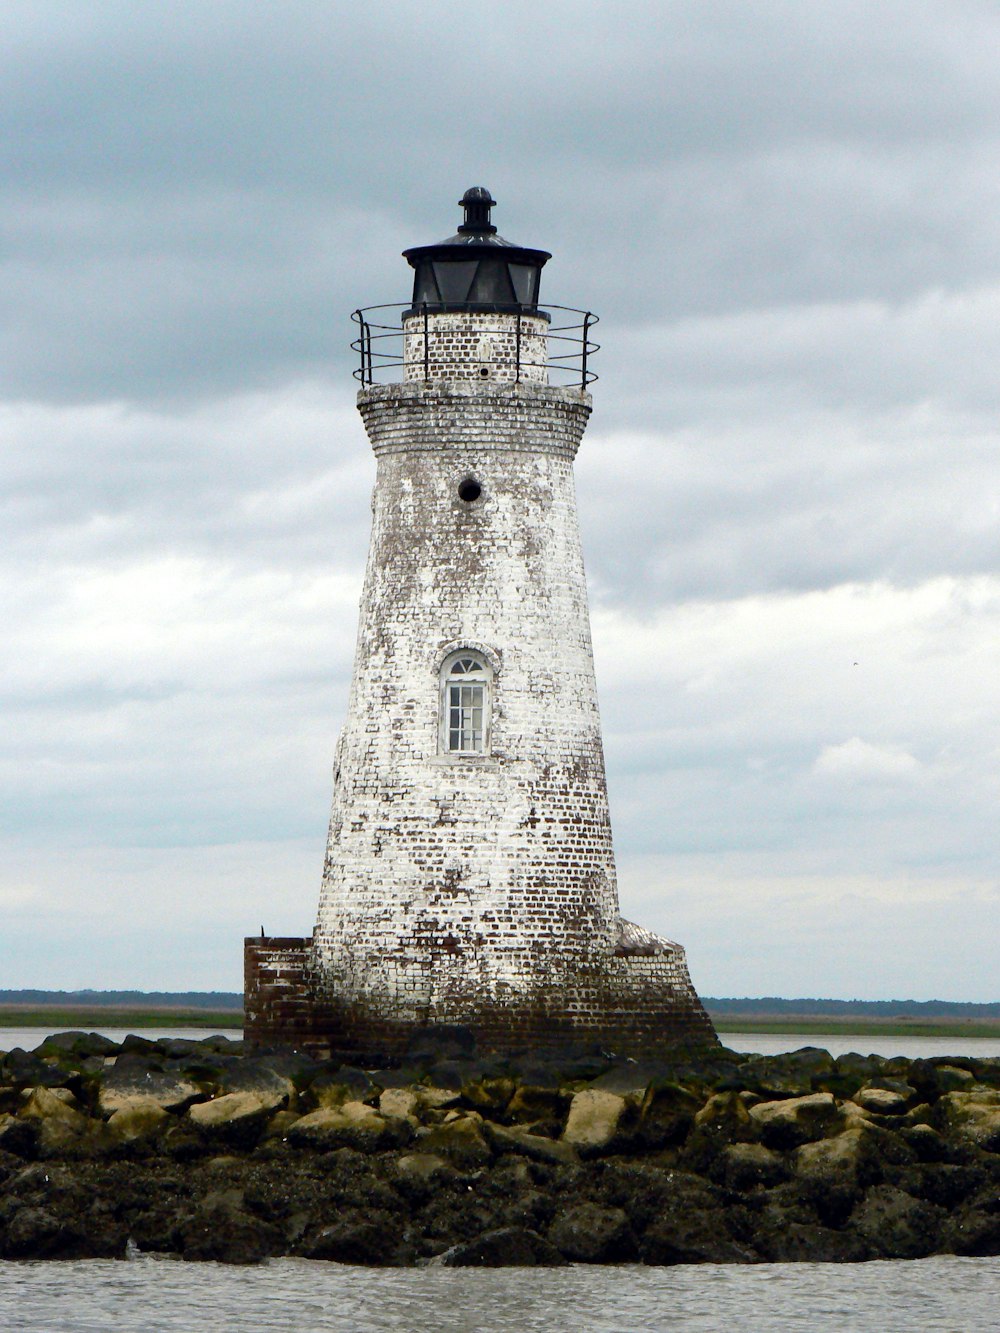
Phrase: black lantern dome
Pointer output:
(476, 269)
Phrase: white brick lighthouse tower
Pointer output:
(469, 874)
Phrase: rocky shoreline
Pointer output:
(197, 1149)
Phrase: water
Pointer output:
(913, 1048)
(767, 1043)
(154, 1295)
(29, 1038)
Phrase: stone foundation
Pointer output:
(640, 1005)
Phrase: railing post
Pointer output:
(366, 345)
(427, 347)
(517, 350)
(583, 364)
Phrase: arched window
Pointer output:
(466, 678)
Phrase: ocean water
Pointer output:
(155, 1295)
(768, 1043)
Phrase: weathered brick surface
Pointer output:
(464, 346)
(474, 888)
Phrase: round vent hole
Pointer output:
(469, 490)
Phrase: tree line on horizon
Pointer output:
(767, 1004)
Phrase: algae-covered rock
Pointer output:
(536, 1147)
(596, 1120)
(141, 1120)
(502, 1247)
(461, 1140)
(128, 1083)
(591, 1234)
(749, 1166)
(796, 1120)
(895, 1225)
(371, 1239)
(236, 1118)
(352, 1125)
(971, 1117)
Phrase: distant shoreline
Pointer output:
(67, 1017)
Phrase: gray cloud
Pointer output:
(787, 220)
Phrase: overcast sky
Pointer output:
(788, 218)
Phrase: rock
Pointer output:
(333, 1089)
(926, 1142)
(489, 1094)
(973, 1232)
(502, 1248)
(590, 1234)
(633, 1077)
(418, 1176)
(536, 1147)
(77, 1043)
(24, 1069)
(596, 1121)
(949, 1186)
(461, 1141)
(780, 1240)
(352, 1125)
(539, 1106)
(417, 1103)
(973, 1117)
(749, 1166)
(790, 1075)
(786, 1124)
(19, 1137)
(280, 1123)
(832, 1174)
(236, 1118)
(723, 1120)
(141, 1120)
(666, 1115)
(370, 1239)
(882, 1101)
(697, 1238)
(126, 1083)
(258, 1077)
(896, 1226)
(222, 1231)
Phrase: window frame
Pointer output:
(483, 675)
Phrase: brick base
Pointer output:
(627, 1011)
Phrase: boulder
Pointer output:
(596, 1121)
(536, 1147)
(971, 1117)
(460, 1140)
(352, 1125)
(488, 1095)
(222, 1231)
(590, 1234)
(666, 1114)
(17, 1136)
(502, 1247)
(141, 1120)
(126, 1083)
(333, 1088)
(797, 1120)
(896, 1226)
(531, 1104)
(881, 1101)
(749, 1166)
(371, 1239)
(237, 1119)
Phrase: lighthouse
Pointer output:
(469, 875)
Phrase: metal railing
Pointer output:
(381, 349)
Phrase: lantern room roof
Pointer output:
(477, 240)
